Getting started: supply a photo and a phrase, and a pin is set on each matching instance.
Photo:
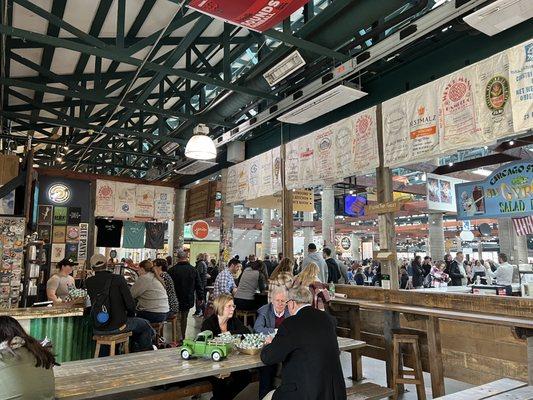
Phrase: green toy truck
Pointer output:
(204, 346)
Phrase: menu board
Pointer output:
(125, 200)
(521, 85)
(11, 254)
(105, 198)
(493, 102)
(144, 206)
(163, 203)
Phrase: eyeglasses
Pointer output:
(287, 302)
(232, 306)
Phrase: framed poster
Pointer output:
(73, 233)
(59, 234)
(71, 251)
(60, 215)
(74, 215)
(45, 215)
(57, 252)
(44, 232)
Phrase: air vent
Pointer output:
(196, 167)
(170, 147)
(284, 68)
(500, 15)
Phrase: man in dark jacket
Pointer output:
(269, 265)
(187, 283)
(201, 268)
(306, 345)
(457, 272)
(121, 305)
(334, 273)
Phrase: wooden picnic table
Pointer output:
(503, 389)
(88, 379)
(432, 316)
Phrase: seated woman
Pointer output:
(223, 321)
(149, 291)
(309, 278)
(251, 280)
(160, 269)
(25, 366)
(269, 318)
(281, 277)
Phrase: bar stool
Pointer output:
(173, 320)
(244, 315)
(399, 375)
(112, 341)
(158, 328)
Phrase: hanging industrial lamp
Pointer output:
(200, 146)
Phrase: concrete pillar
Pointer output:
(226, 225)
(178, 235)
(328, 217)
(356, 247)
(436, 236)
(510, 243)
(309, 231)
(266, 232)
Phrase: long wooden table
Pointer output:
(88, 379)
(432, 317)
(503, 389)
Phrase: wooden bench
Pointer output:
(368, 391)
(508, 389)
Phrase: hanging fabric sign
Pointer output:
(521, 85)
(256, 15)
(364, 147)
(84, 237)
(265, 182)
(276, 170)
(231, 185)
(164, 203)
(254, 176)
(105, 198)
(125, 200)
(144, 206)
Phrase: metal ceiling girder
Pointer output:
(59, 42)
(306, 45)
(424, 25)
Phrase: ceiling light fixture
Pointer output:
(511, 143)
(200, 146)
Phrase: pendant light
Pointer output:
(200, 146)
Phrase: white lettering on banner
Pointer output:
(521, 85)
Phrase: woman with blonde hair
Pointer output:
(150, 293)
(281, 277)
(309, 277)
(224, 320)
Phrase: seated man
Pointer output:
(306, 345)
(269, 319)
(121, 305)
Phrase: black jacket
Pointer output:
(120, 300)
(455, 274)
(201, 267)
(306, 345)
(418, 274)
(235, 326)
(269, 266)
(334, 273)
(186, 282)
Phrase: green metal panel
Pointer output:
(71, 336)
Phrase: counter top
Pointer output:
(42, 312)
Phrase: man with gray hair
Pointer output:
(186, 283)
(306, 346)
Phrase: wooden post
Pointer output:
(28, 193)
(435, 356)
(286, 206)
(392, 322)
(355, 327)
(226, 224)
(387, 234)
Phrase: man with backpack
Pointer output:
(113, 307)
(334, 273)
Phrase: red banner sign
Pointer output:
(257, 15)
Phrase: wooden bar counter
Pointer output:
(42, 312)
(471, 338)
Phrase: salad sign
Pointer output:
(508, 192)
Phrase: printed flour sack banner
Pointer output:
(231, 185)
(257, 15)
(144, 206)
(164, 203)
(521, 85)
(493, 97)
(105, 198)
(125, 200)
(364, 145)
(254, 176)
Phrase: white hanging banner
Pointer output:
(125, 200)
(144, 206)
(324, 155)
(242, 180)
(231, 185)
(364, 148)
(458, 116)
(276, 170)
(521, 85)
(292, 164)
(163, 203)
(265, 180)
(345, 146)
(492, 97)
(105, 198)
(307, 173)
(396, 140)
(254, 176)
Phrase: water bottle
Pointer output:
(332, 289)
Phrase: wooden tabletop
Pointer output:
(477, 317)
(42, 312)
(503, 389)
(87, 379)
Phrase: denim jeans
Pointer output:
(152, 317)
(142, 334)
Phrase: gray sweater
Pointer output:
(318, 260)
(250, 281)
(150, 294)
